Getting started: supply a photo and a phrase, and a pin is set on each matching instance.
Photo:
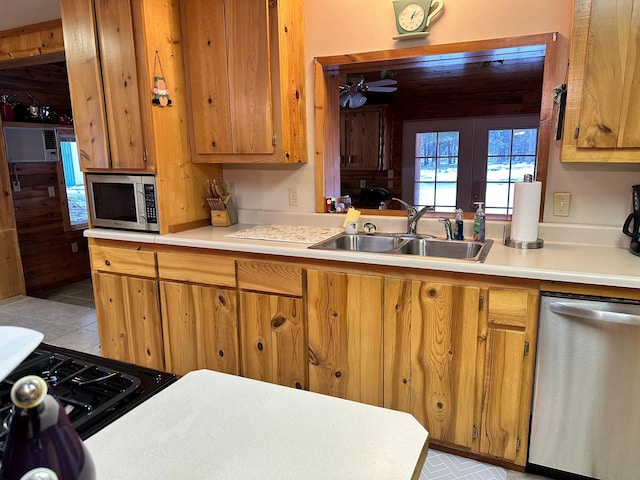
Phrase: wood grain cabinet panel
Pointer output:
(602, 117)
(197, 268)
(129, 322)
(431, 348)
(129, 261)
(345, 335)
(200, 328)
(365, 139)
(273, 339)
(102, 65)
(245, 80)
(270, 277)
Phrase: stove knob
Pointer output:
(29, 391)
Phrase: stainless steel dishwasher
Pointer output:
(586, 406)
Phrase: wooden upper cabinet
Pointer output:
(103, 70)
(602, 117)
(245, 80)
(364, 140)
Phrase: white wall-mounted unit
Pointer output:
(30, 144)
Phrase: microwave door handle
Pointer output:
(593, 314)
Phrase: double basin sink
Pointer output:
(403, 244)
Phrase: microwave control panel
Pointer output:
(150, 204)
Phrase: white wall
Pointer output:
(600, 193)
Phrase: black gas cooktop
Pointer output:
(93, 390)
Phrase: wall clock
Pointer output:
(413, 17)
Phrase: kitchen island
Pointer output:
(213, 425)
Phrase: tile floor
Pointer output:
(67, 317)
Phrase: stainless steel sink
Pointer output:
(375, 243)
(408, 245)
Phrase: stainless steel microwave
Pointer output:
(123, 201)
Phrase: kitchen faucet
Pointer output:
(447, 227)
(413, 215)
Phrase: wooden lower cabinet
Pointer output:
(129, 323)
(345, 335)
(508, 376)
(430, 353)
(273, 340)
(200, 328)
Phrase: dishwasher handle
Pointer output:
(593, 314)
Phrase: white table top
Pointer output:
(212, 425)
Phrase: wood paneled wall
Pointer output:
(45, 246)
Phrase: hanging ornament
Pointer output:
(159, 90)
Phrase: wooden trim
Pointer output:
(327, 107)
(33, 28)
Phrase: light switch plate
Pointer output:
(16, 186)
(52, 191)
(561, 204)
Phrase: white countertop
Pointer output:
(600, 258)
(214, 425)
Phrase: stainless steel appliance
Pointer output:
(93, 390)
(586, 407)
(123, 201)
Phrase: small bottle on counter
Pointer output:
(41, 438)
(458, 232)
(479, 223)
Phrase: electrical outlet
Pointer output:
(363, 183)
(74, 247)
(52, 191)
(16, 186)
(293, 197)
(561, 204)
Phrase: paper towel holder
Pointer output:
(509, 242)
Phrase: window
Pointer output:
(73, 180)
(456, 162)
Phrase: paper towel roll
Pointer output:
(526, 211)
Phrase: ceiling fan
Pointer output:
(351, 93)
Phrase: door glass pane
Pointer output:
(74, 183)
(436, 169)
(511, 154)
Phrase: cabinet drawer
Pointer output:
(509, 307)
(270, 278)
(129, 261)
(197, 268)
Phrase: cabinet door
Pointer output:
(228, 70)
(85, 82)
(501, 398)
(431, 346)
(200, 328)
(345, 335)
(129, 323)
(103, 82)
(115, 22)
(363, 140)
(273, 339)
(602, 118)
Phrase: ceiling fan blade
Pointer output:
(381, 89)
(382, 83)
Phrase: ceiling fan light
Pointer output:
(344, 98)
(357, 100)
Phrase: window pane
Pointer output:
(499, 142)
(445, 196)
(74, 183)
(448, 144)
(497, 196)
(425, 194)
(425, 170)
(498, 169)
(525, 141)
(447, 169)
(521, 167)
(426, 144)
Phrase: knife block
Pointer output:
(226, 217)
